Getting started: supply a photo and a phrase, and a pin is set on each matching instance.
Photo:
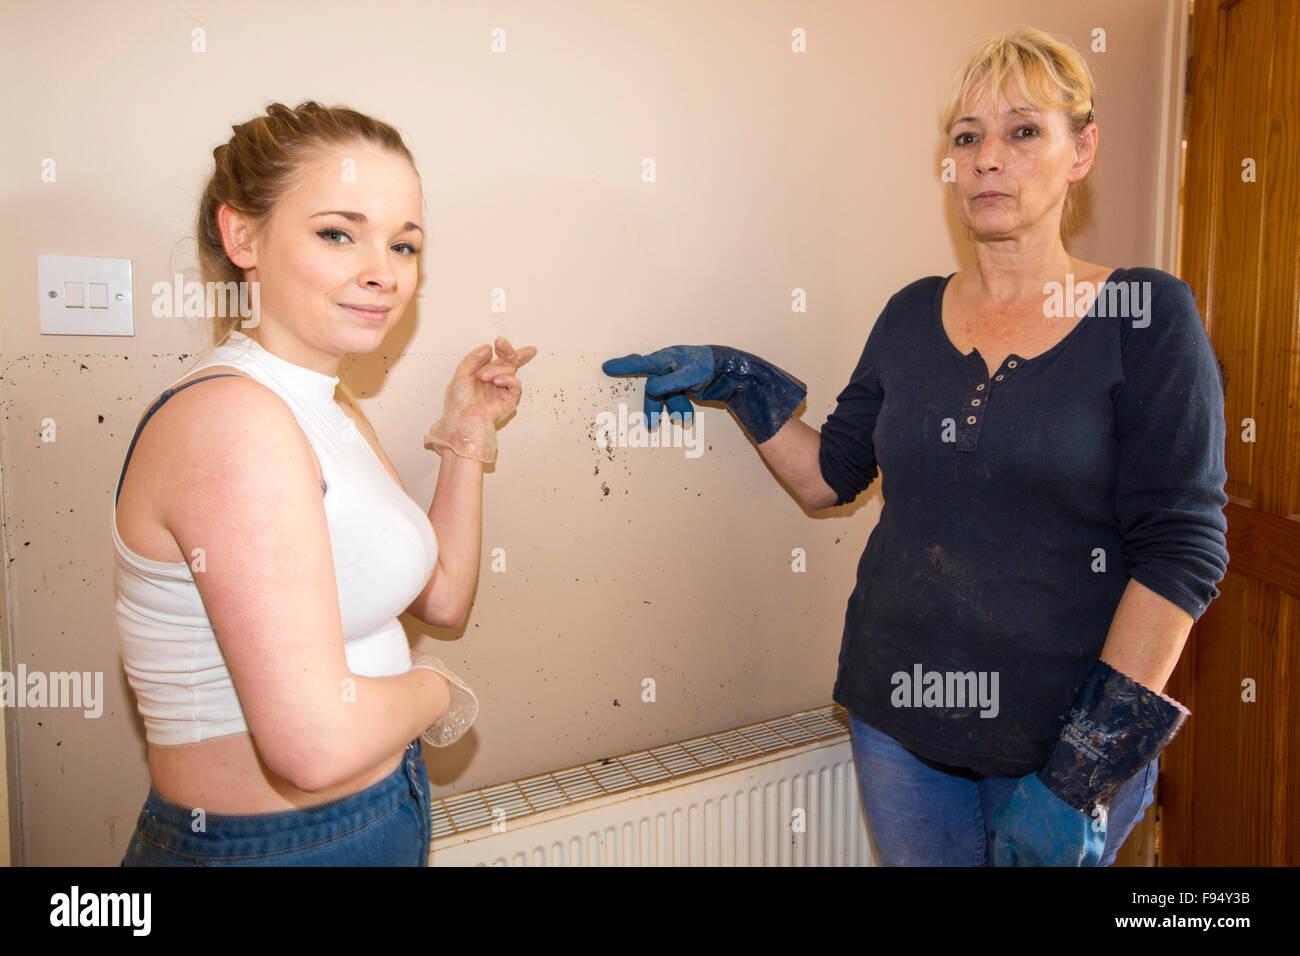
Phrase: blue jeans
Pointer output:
(921, 815)
(386, 824)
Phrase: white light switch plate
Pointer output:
(90, 296)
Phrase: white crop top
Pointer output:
(384, 554)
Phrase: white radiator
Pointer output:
(782, 792)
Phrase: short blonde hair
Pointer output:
(1051, 74)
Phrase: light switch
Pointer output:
(84, 295)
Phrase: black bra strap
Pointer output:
(167, 393)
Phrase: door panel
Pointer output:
(1230, 780)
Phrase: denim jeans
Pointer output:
(925, 814)
(386, 824)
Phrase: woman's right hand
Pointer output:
(762, 396)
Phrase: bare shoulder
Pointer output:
(226, 431)
(226, 405)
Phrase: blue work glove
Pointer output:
(762, 396)
(1057, 817)
(1037, 828)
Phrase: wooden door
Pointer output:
(1230, 789)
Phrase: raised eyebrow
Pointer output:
(359, 217)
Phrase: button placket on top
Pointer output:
(978, 394)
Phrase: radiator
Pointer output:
(782, 792)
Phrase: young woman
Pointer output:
(1053, 484)
(265, 544)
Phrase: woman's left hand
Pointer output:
(489, 389)
(482, 395)
(1036, 828)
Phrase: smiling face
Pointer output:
(1013, 167)
(347, 235)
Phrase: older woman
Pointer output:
(1051, 435)
(265, 543)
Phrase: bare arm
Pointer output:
(1146, 636)
(793, 454)
(482, 395)
(457, 518)
(245, 491)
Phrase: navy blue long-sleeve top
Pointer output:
(1017, 507)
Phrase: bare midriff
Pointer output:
(227, 775)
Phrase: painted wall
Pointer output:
(775, 171)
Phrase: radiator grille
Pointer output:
(472, 810)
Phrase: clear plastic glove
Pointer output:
(480, 397)
(460, 713)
